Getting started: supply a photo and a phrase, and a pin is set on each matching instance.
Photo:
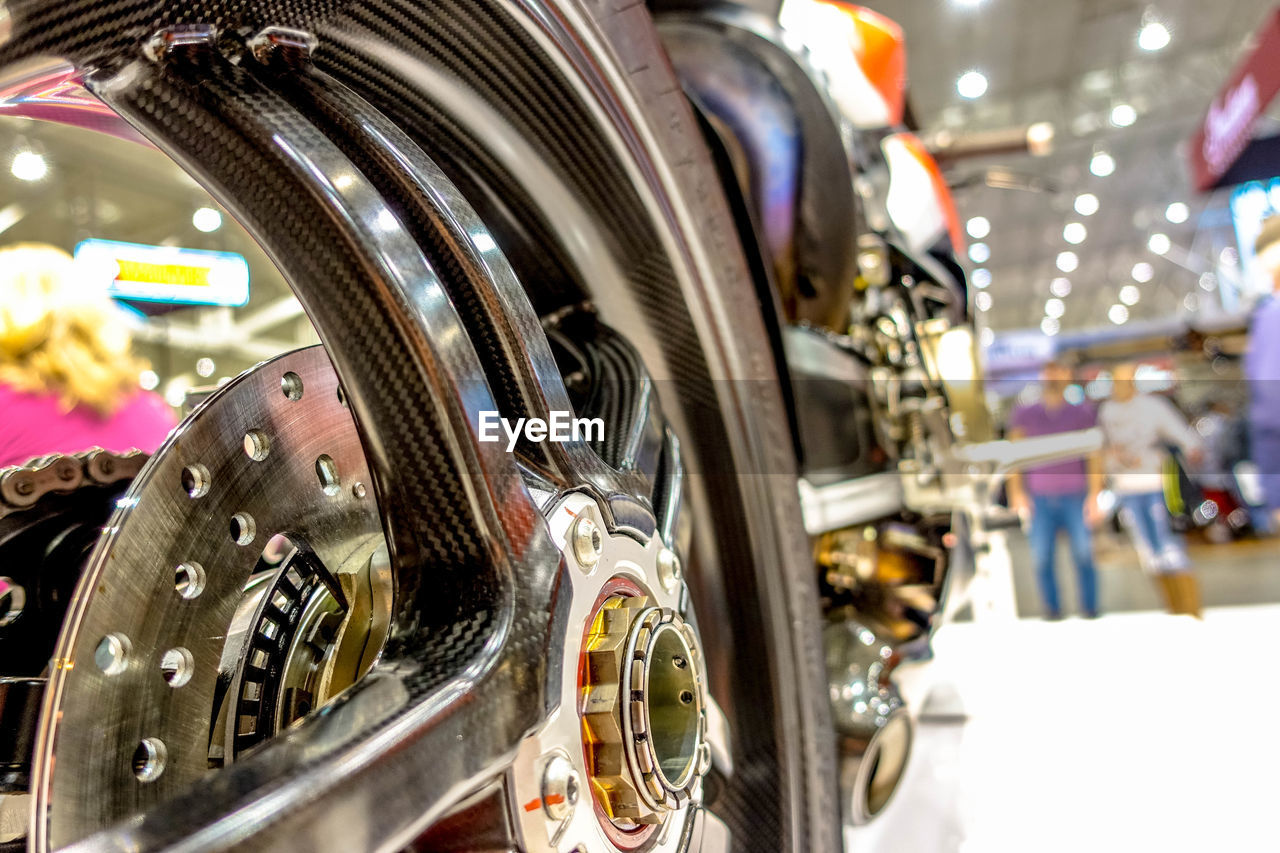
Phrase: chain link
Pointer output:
(22, 486)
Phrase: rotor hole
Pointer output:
(13, 597)
(189, 580)
(281, 601)
(149, 759)
(291, 385)
(195, 480)
(686, 697)
(269, 629)
(242, 528)
(177, 665)
(252, 691)
(258, 660)
(679, 662)
(327, 473)
(256, 445)
(112, 654)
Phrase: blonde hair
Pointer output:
(59, 335)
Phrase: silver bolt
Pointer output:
(359, 490)
(670, 571)
(560, 788)
(588, 542)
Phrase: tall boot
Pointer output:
(1169, 590)
(1188, 586)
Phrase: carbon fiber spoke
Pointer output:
(459, 519)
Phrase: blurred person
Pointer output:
(1262, 370)
(1060, 496)
(1137, 428)
(68, 381)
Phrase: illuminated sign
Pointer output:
(162, 274)
(1252, 204)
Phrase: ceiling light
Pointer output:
(29, 166)
(981, 278)
(979, 253)
(1118, 314)
(972, 84)
(1143, 272)
(982, 300)
(206, 219)
(205, 367)
(1049, 326)
(148, 380)
(1123, 115)
(978, 227)
(1153, 36)
(1190, 302)
(1208, 281)
(1068, 261)
(1060, 287)
(1102, 164)
(1040, 138)
(1177, 213)
(1129, 294)
(987, 336)
(1074, 233)
(1086, 204)
(1159, 243)
(1055, 308)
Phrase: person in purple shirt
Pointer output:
(1060, 496)
(67, 379)
(1262, 370)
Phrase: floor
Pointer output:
(1137, 731)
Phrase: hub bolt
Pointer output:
(670, 571)
(560, 788)
(588, 543)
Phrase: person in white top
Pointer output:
(1138, 427)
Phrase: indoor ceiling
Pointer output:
(1071, 63)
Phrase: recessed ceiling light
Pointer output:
(1074, 233)
(1060, 287)
(978, 227)
(1153, 36)
(1208, 281)
(1040, 138)
(206, 219)
(981, 278)
(1123, 115)
(148, 380)
(982, 300)
(1177, 213)
(972, 84)
(1049, 326)
(1055, 308)
(1159, 243)
(1129, 294)
(1191, 302)
(979, 253)
(1118, 314)
(1143, 272)
(1068, 261)
(29, 166)
(1102, 164)
(1086, 204)
(987, 336)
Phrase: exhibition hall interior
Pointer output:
(646, 425)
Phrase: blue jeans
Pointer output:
(1147, 520)
(1049, 514)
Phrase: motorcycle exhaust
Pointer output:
(873, 729)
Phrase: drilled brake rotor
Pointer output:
(135, 684)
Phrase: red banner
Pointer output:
(1228, 126)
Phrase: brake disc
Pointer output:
(211, 612)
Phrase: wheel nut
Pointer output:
(560, 788)
(588, 543)
(669, 570)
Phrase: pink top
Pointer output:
(34, 425)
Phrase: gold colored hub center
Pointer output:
(643, 721)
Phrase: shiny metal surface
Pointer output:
(849, 502)
(873, 727)
(95, 720)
